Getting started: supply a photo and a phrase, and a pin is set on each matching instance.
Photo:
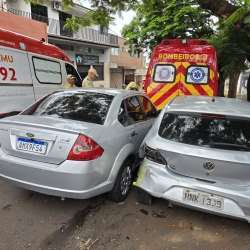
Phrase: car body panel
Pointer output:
(52, 173)
(160, 182)
(184, 163)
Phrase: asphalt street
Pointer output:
(31, 220)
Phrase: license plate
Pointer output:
(203, 199)
(31, 145)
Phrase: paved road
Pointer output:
(30, 220)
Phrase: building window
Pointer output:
(62, 19)
(122, 49)
(82, 49)
(65, 46)
(63, 16)
(102, 30)
(115, 51)
(39, 13)
(132, 53)
(97, 51)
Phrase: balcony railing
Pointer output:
(56, 27)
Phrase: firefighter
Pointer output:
(88, 80)
(70, 82)
(132, 86)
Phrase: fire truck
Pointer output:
(181, 67)
(29, 69)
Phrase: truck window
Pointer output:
(197, 74)
(47, 71)
(71, 70)
(164, 73)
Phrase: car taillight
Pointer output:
(154, 155)
(85, 149)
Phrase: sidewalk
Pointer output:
(242, 97)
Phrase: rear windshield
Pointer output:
(79, 106)
(205, 131)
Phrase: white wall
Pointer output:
(19, 5)
(105, 57)
(51, 13)
(71, 55)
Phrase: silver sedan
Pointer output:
(76, 143)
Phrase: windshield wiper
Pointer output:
(227, 145)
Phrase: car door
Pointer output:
(137, 122)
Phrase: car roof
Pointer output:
(211, 105)
(108, 91)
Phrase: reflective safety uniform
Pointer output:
(87, 82)
(132, 85)
(68, 86)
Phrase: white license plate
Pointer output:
(31, 145)
(203, 199)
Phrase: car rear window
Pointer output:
(224, 133)
(84, 106)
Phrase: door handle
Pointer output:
(134, 133)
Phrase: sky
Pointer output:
(120, 22)
(126, 19)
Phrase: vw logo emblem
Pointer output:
(30, 135)
(208, 165)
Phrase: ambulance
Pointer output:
(29, 69)
(181, 67)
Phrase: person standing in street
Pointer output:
(134, 86)
(88, 80)
(70, 82)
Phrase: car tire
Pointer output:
(144, 197)
(123, 183)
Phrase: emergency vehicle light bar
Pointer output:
(203, 42)
(184, 41)
(22, 46)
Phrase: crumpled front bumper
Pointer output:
(159, 181)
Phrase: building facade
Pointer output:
(125, 65)
(89, 47)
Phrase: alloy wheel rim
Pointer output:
(126, 180)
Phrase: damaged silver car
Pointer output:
(77, 143)
(197, 155)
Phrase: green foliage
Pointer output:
(232, 47)
(242, 13)
(167, 19)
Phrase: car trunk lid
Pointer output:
(209, 147)
(40, 138)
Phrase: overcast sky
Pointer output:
(120, 22)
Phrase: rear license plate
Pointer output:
(203, 199)
(31, 145)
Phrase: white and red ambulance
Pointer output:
(29, 69)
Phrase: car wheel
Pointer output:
(144, 197)
(123, 183)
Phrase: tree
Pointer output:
(232, 47)
(167, 19)
(102, 10)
